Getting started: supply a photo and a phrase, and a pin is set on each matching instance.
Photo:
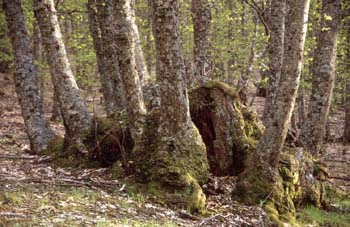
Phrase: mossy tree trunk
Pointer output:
(106, 81)
(261, 180)
(229, 130)
(75, 114)
(323, 72)
(173, 155)
(26, 80)
(201, 17)
(125, 41)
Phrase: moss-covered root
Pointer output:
(176, 165)
(266, 188)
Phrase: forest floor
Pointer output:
(33, 192)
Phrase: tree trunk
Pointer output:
(125, 31)
(139, 57)
(323, 71)
(276, 43)
(201, 17)
(106, 80)
(26, 80)
(38, 58)
(346, 136)
(261, 181)
(56, 110)
(173, 156)
(106, 19)
(243, 81)
(75, 114)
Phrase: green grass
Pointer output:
(317, 217)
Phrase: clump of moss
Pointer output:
(106, 142)
(177, 166)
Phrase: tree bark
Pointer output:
(264, 169)
(38, 58)
(106, 18)
(75, 114)
(106, 80)
(125, 27)
(323, 71)
(275, 47)
(173, 154)
(346, 136)
(26, 80)
(139, 56)
(201, 17)
(276, 129)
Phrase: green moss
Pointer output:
(175, 165)
(220, 85)
(106, 142)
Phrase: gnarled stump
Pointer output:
(228, 129)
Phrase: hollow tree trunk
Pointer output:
(75, 114)
(323, 71)
(201, 17)
(106, 80)
(125, 31)
(26, 80)
(106, 19)
(275, 47)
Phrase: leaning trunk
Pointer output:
(74, 111)
(26, 80)
(323, 71)
(262, 180)
(127, 66)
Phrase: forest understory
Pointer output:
(34, 192)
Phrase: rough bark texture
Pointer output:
(173, 156)
(38, 58)
(26, 80)
(201, 17)
(125, 20)
(105, 77)
(276, 42)
(139, 57)
(229, 130)
(105, 9)
(262, 179)
(75, 115)
(56, 109)
(346, 136)
(323, 71)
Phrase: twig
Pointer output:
(16, 157)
